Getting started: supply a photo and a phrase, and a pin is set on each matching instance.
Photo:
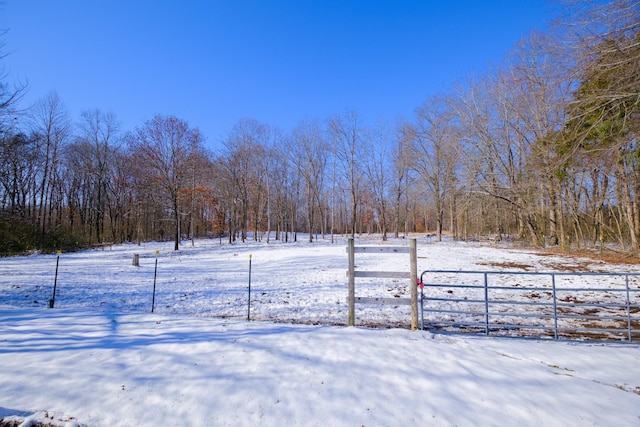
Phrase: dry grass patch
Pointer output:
(514, 265)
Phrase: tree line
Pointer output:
(541, 148)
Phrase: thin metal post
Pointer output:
(486, 303)
(421, 303)
(626, 279)
(52, 301)
(555, 307)
(155, 275)
(249, 299)
(352, 281)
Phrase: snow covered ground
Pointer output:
(100, 358)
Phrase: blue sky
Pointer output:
(212, 63)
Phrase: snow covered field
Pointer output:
(100, 358)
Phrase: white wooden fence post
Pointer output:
(413, 256)
(352, 282)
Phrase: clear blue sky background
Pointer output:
(212, 63)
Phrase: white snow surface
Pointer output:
(100, 358)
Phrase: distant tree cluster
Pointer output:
(543, 148)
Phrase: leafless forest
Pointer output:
(541, 148)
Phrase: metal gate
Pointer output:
(547, 305)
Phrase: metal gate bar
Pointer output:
(596, 307)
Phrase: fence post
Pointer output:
(626, 281)
(413, 257)
(52, 301)
(155, 276)
(249, 299)
(352, 281)
(555, 306)
(486, 303)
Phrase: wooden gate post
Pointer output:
(352, 281)
(413, 260)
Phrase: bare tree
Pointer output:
(538, 90)
(18, 173)
(163, 147)
(377, 165)
(16, 156)
(98, 141)
(10, 94)
(287, 184)
(401, 173)
(244, 175)
(308, 152)
(496, 155)
(52, 127)
(435, 148)
(348, 136)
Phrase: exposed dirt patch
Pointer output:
(572, 299)
(577, 266)
(609, 257)
(40, 419)
(525, 267)
(575, 261)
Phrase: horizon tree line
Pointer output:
(542, 148)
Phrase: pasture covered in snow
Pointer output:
(100, 358)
